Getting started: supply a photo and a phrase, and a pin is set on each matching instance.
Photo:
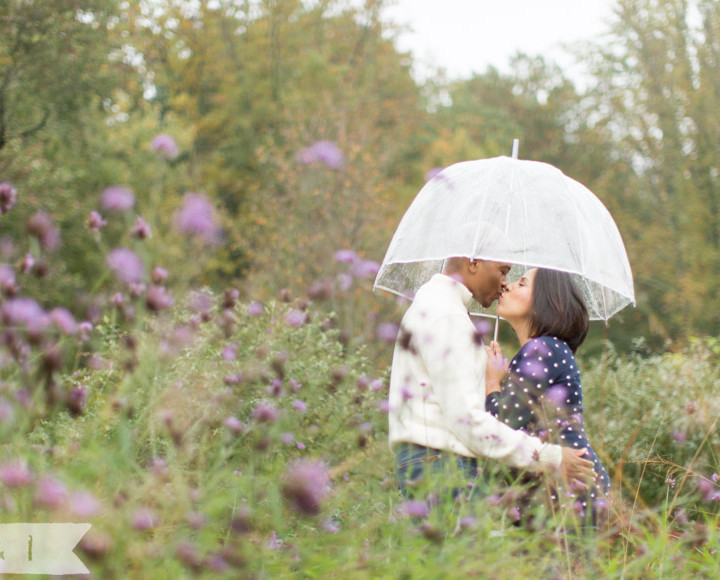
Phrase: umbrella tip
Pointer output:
(515, 147)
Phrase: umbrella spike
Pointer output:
(515, 147)
(497, 323)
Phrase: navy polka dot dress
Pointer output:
(541, 394)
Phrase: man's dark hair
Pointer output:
(558, 308)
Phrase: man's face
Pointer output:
(489, 280)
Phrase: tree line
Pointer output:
(246, 87)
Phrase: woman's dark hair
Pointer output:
(558, 308)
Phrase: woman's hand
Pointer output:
(495, 369)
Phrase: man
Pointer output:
(437, 383)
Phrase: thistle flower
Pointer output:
(8, 287)
(366, 269)
(15, 473)
(27, 264)
(21, 311)
(387, 331)
(295, 318)
(144, 519)
(255, 308)
(299, 405)
(77, 400)
(306, 485)
(117, 198)
(165, 145)
(265, 413)
(141, 230)
(324, 152)
(95, 221)
(415, 508)
(64, 320)
(234, 424)
(197, 217)
(41, 226)
(50, 492)
(158, 275)
(158, 298)
(126, 265)
(8, 197)
(84, 504)
(346, 257)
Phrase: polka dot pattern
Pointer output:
(542, 395)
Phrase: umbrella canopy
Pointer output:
(526, 213)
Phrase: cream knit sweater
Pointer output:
(437, 384)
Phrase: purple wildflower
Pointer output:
(331, 526)
(8, 287)
(158, 298)
(117, 198)
(255, 308)
(96, 222)
(557, 395)
(366, 269)
(144, 519)
(158, 275)
(77, 400)
(377, 385)
(415, 508)
(432, 172)
(299, 405)
(50, 492)
(64, 320)
(287, 438)
(482, 327)
(345, 281)
(306, 485)
(197, 217)
(325, 152)
(28, 264)
(21, 311)
(265, 413)
(234, 424)
(84, 504)
(715, 477)
(84, 329)
(8, 197)
(142, 229)
(296, 318)
(346, 256)
(188, 554)
(678, 436)
(387, 331)
(126, 265)
(383, 406)
(691, 407)
(165, 145)
(41, 226)
(15, 473)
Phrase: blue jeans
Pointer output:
(413, 461)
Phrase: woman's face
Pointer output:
(515, 303)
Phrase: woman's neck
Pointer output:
(522, 331)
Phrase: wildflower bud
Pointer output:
(321, 290)
(8, 197)
(117, 198)
(285, 295)
(306, 485)
(142, 229)
(8, 287)
(158, 275)
(144, 519)
(691, 407)
(50, 492)
(158, 298)
(95, 544)
(165, 145)
(15, 473)
(40, 225)
(27, 264)
(77, 400)
(230, 298)
(95, 222)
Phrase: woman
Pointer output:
(539, 392)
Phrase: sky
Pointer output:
(466, 36)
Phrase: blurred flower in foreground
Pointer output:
(117, 198)
(430, 173)
(144, 519)
(306, 485)
(15, 473)
(415, 508)
(387, 331)
(165, 145)
(324, 152)
(126, 265)
(346, 256)
(142, 229)
(21, 311)
(8, 197)
(84, 504)
(7, 280)
(41, 226)
(50, 492)
(95, 221)
(197, 217)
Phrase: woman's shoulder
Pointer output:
(546, 346)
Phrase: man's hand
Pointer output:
(574, 468)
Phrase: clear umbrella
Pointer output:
(526, 213)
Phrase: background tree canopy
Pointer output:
(246, 87)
